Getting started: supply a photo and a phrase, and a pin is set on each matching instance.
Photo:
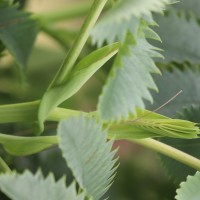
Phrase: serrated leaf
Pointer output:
(22, 146)
(180, 37)
(124, 9)
(192, 6)
(88, 154)
(27, 186)
(187, 80)
(81, 73)
(129, 80)
(190, 188)
(176, 170)
(115, 24)
(17, 32)
(108, 30)
(147, 124)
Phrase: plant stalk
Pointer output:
(28, 112)
(169, 151)
(79, 43)
(4, 167)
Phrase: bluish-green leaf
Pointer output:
(81, 73)
(187, 80)
(17, 32)
(124, 9)
(88, 154)
(27, 186)
(180, 37)
(191, 6)
(125, 16)
(176, 170)
(129, 81)
(189, 190)
(22, 146)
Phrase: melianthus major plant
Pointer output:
(126, 34)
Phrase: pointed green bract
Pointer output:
(79, 76)
(147, 124)
(189, 190)
(129, 81)
(22, 146)
(28, 186)
(17, 32)
(88, 154)
(178, 32)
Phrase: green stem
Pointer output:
(27, 112)
(21, 112)
(170, 152)
(79, 42)
(61, 113)
(3, 166)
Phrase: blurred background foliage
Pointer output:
(141, 175)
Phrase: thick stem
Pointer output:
(170, 152)
(27, 112)
(21, 112)
(3, 166)
(79, 42)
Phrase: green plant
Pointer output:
(126, 36)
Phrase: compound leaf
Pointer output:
(177, 32)
(88, 154)
(172, 82)
(125, 16)
(124, 9)
(129, 80)
(81, 73)
(17, 32)
(28, 186)
(190, 188)
(176, 170)
(22, 146)
(192, 6)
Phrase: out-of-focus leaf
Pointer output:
(189, 190)
(28, 186)
(124, 9)
(88, 154)
(62, 36)
(17, 32)
(176, 170)
(170, 83)
(79, 76)
(180, 37)
(22, 146)
(192, 6)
